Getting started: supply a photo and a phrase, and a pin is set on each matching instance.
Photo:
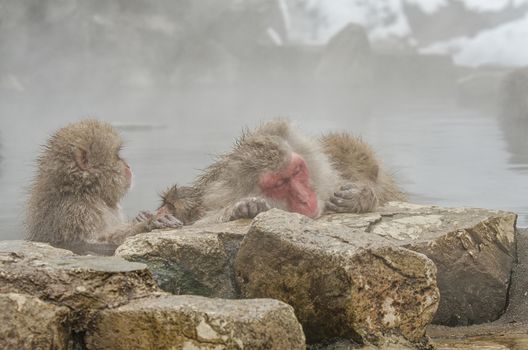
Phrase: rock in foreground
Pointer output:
(341, 282)
(192, 322)
(28, 323)
(192, 260)
(85, 284)
(473, 249)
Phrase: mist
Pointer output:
(424, 82)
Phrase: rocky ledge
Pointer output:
(53, 299)
(376, 279)
(473, 250)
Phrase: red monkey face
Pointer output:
(127, 171)
(292, 186)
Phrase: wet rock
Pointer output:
(26, 322)
(85, 284)
(341, 282)
(192, 260)
(473, 249)
(192, 322)
(508, 332)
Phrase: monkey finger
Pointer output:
(348, 205)
(170, 221)
(348, 194)
(338, 201)
(263, 205)
(243, 211)
(240, 210)
(145, 215)
(335, 208)
(253, 208)
(348, 186)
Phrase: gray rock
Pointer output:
(473, 249)
(341, 282)
(192, 322)
(85, 284)
(508, 332)
(192, 260)
(29, 323)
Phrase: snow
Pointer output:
(506, 44)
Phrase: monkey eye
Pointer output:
(280, 183)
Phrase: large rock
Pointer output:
(192, 260)
(28, 323)
(192, 322)
(85, 284)
(473, 249)
(341, 282)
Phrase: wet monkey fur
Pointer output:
(273, 166)
(79, 182)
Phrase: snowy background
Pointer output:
(474, 32)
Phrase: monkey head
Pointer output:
(267, 165)
(291, 185)
(85, 158)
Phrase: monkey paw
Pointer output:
(165, 221)
(143, 216)
(248, 208)
(352, 198)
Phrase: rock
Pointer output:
(346, 58)
(85, 284)
(508, 332)
(341, 282)
(29, 323)
(192, 260)
(473, 249)
(193, 322)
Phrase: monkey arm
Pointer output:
(246, 208)
(119, 234)
(184, 202)
(365, 184)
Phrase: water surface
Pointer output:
(440, 153)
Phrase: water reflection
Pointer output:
(513, 117)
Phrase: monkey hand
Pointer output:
(143, 216)
(248, 208)
(164, 221)
(352, 198)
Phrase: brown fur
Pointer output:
(78, 208)
(355, 161)
(336, 160)
(183, 202)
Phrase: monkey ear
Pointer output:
(81, 158)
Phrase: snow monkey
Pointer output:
(274, 166)
(75, 195)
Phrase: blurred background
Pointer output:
(436, 86)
